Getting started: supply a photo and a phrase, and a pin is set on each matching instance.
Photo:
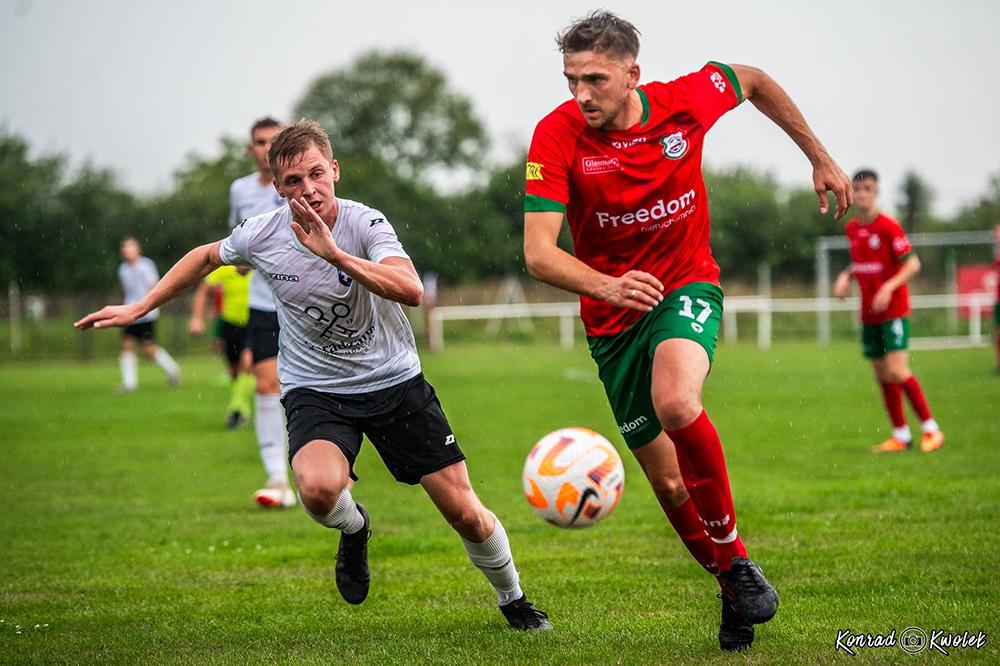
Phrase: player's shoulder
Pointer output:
(359, 215)
(889, 223)
(565, 118)
(267, 224)
(244, 183)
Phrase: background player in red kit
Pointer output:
(996, 306)
(882, 261)
(622, 162)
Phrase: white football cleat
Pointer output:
(274, 498)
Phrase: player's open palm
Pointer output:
(109, 316)
(311, 231)
(635, 289)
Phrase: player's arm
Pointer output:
(909, 268)
(549, 263)
(192, 268)
(393, 278)
(771, 100)
(197, 324)
(843, 283)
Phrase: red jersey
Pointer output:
(878, 249)
(634, 199)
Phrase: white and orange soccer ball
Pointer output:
(573, 477)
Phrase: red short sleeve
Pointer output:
(709, 92)
(547, 172)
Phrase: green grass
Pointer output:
(127, 532)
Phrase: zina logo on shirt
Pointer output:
(674, 145)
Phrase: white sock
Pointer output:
(930, 425)
(269, 422)
(129, 365)
(167, 362)
(493, 558)
(902, 434)
(344, 515)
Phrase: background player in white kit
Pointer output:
(252, 195)
(348, 363)
(137, 275)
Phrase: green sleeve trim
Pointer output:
(645, 106)
(733, 81)
(902, 259)
(536, 204)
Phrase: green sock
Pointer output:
(243, 389)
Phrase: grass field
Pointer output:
(127, 532)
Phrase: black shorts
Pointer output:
(144, 332)
(234, 340)
(405, 423)
(263, 332)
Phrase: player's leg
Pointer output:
(159, 355)
(485, 541)
(417, 445)
(128, 364)
(233, 339)
(322, 449)
(897, 367)
(680, 366)
(658, 460)
(269, 419)
(873, 347)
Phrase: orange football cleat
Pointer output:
(891, 445)
(931, 441)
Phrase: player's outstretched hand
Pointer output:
(108, 316)
(829, 177)
(311, 231)
(636, 289)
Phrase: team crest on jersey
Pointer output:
(344, 278)
(674, 145)
(533, 172)
(874, 242)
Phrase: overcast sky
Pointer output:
(137, 86)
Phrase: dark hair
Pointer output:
(865, 174)
(295, 140)
(601, 32)
(266, 122)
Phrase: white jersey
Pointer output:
(336, 336)
(137, 279)
(247, 198)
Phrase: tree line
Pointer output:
(404, 139)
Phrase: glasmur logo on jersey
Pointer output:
(674, 145)
(601, 164)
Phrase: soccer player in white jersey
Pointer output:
(137, 275)
(347, 362)
(252, 195)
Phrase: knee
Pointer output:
(670, 491)
(472, 522)
(267, 383)
(676, 410)
(318, 491)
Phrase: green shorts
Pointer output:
(996, 313)
(625, 361)
(877, 340)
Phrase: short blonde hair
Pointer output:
(295, 140)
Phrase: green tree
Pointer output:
(397, 109)
(914, 202)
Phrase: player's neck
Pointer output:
(334, 212)
(264, 178)
(630, 115)
(868, 216)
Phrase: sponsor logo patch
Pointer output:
(601, 164)
(533, 171)
(719, 82)
(283, 278)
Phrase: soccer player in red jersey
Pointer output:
(996, 306)
(622, 162)
(882, 261)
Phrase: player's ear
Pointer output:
(632, 75)
(277, 188)
(335, 168)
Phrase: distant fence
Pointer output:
(763, 307)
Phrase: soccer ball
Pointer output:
(573, 477)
